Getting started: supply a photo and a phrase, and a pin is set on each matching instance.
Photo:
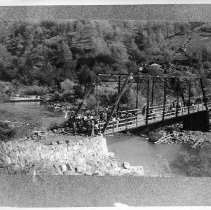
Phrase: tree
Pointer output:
(69, 63)
(142, 40)
(86, 76)
(118, 52)
(7, 70)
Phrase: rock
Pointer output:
(84, 155)
(88, 170)
(114, 171)
(58, 169)
(75, 147)
(70, 167)
(64, 167)
(81, 168)
(16, 167)
(8, 160)
(126, 165)
(139, 170)
(111, 154)
(100, 172)
(80, 142)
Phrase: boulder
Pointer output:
(58, 169)
(126, 165)
(138, 170)
(111, 154)
(64, 167)
(81, 168)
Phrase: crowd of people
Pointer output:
(91, 122)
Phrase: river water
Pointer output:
(136, 150)
(19, 110)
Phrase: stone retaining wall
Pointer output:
(87, 156)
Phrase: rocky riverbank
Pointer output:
(60, 106)
(59, 154)
(194, 138)
(174, 134)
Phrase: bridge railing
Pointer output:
(155, 115)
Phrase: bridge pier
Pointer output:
(197, 121)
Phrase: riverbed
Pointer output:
(133, 149)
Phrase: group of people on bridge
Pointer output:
(91, 122)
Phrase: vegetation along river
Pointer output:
(135, 149)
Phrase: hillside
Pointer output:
(48, 52)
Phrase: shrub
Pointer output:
(67, 97)
(35, 90)
(3, 97)
(91, 102)
(154, 136)
(56, 125)
(194, 162)
(79, 91)
(106, 95)
(6, 132)
(53, 125)
(68, 86)
(53, 97)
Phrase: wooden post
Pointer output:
(119, 89)
(182, 95)
(204, 94)
(116, 104)
(126, 123)
(177, 106)
(152, 96)
(189, 92)
(164, 98)
(147, 108)
(137, 103)
(137, 95)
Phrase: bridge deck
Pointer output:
(155, 116)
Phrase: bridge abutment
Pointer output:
(197, 121)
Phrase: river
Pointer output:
(31, 109)
(134, 149)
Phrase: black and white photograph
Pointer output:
(105, 105)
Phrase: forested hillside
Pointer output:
(50, 52)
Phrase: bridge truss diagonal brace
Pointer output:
(116, 103)
(84, 98)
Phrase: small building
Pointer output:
(155, 65)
